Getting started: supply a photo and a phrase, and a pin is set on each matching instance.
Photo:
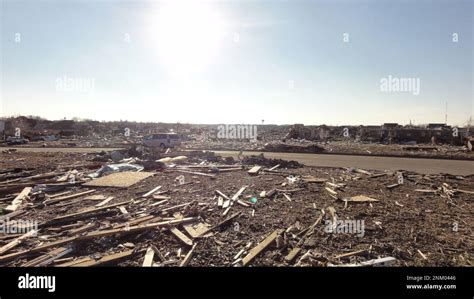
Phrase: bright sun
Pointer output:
(188, 35)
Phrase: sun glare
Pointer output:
(188, 35)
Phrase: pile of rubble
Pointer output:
(139, 208)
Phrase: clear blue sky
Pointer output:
(238, 61)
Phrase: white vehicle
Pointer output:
(162, 140)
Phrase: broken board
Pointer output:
(119, 179)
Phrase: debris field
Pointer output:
(194, 208)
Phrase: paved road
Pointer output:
(60, 149)
(429, 166)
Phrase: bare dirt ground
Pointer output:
(432, 227)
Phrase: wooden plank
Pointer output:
(330, 191)
(204, 232)
(274, 167)
(17, 241)
(18, 200)
(148, 260)
(360, 198)
(134, 229)
(85, 212)
(312, 179)
(357, 252)
(15, 255)
(196, 173)
(293, 254)
(119, 179)
(223, 195)
(254, 170)
(392, 186)
(108, 259)
(151, 191)
(182, 237)
(254, 252)
(188, 257)
(48, 258)
(75, 262)
(238, 193)
(66, 197)
(102, 203)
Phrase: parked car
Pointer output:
(13, 140)
(162, 140)
(44, 138)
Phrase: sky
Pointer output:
(248, 62)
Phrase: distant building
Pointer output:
(437, 126)
(2, 129)
(390, 125)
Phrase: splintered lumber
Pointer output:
(194, 231)
(148, 260)
(310, 230)
(182, 237)
(332, 213)
(102, 203)
(422, 255)
(274, 167)
(293, 254)
(66, 197)
(82, 229)
(363, 171)
(17, 241)
(377, 175)
(392, 186)
(123, 210)
(18, 199)
(330, 191)
(58, 194)
(76, 262)
(108, 259)
(360, 198)
(48, 258)
(188, 257)
(134, 229)
(222, 194)
(177, 207)
(223, 222)
(237, 194)
(78, 215)
(254, 170)
(362, 251)
(196, 173)
(15, 255)
(287, 197)
(254, 252)
(228, 204)
(151, 191)
(380, 262)
(312, 179)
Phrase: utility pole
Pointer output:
(446, 115)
